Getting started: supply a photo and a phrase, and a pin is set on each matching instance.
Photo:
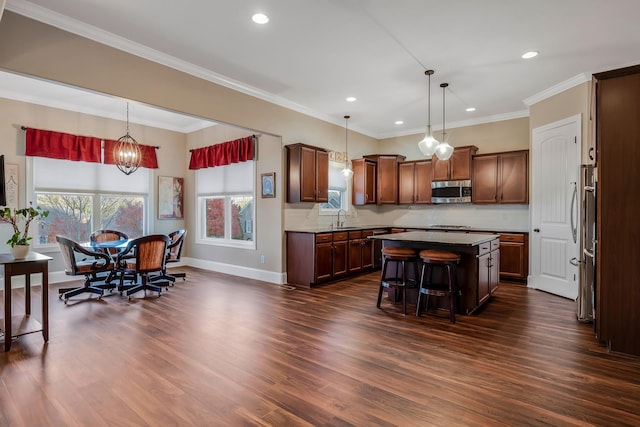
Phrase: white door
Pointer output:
(554, 233)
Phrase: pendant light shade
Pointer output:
(347, 172)
(126, 152)
(428, 144)
(444, 150)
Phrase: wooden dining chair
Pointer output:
(81, 261)
(174, 251)
(142, 258)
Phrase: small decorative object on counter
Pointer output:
(19, 241)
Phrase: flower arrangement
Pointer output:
(13, 216)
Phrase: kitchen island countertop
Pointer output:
(440, 237)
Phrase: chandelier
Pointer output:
(126, 152)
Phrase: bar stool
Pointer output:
(430, 259)
(400, 256)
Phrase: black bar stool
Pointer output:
(430, 259)
(400, 256)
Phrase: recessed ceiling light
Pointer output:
(351, 99)
(399, 122)
(530, 54)
(470, 109)
(260, 18)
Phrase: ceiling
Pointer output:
(312, 55)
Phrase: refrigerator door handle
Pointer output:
(588, 253)
(574, 226)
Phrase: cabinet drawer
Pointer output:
(342, 235)
(495, 244)
(323, 238)
(355, 234)
(484, 248)
(512, 238)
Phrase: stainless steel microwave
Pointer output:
(451, 191)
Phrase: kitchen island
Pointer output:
(478, 270)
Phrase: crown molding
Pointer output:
(554, 90)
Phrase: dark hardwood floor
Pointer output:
(218, 350)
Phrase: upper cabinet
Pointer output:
(386, 177)
(364, 182)
(501, 178)
(308, 174)
(414, 185)
(458, 167)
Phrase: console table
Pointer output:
(14, 326)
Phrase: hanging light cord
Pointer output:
(346, 130)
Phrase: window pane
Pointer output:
(122, 213)
(69, 215)
(335, 199)
(241, 218)
(215, 217)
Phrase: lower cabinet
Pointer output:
(514, 256)
(488, 269)
(314, 258)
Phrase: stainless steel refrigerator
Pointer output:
(588, 245)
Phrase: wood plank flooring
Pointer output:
(218, 350)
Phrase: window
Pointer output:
(82, 197)
(226, 205)
(338, 190)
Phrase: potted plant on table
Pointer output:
(19, 241)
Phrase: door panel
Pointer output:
(554, 215)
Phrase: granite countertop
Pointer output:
(462, 230)
(465, 239)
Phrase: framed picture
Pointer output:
(170, 197)
(268, 184)
(11, 184)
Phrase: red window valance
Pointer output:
(239, 150)
(58, 145)
(147, 152)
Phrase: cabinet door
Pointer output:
(364, 182)
(387, 180)
(422, 182)
(406, 189)
(340, 258)
(460, 163)
(514, 177)
(485, 179)
(440, 169)
(512, 260)
(307, 174)
(322, 176)
(324, 255)
(355, 255)
(367, 253)
(484, 263)
(494, 271)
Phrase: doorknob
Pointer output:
(537, 230)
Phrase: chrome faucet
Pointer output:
(338, 223)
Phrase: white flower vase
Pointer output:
(20, 251)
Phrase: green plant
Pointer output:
(13, 217)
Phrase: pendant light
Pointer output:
(126, 152)
(428, 144)
(444, 150)
(347, 172)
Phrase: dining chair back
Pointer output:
(174, 251)
(99, 236)
(142, 257)
(78, 261)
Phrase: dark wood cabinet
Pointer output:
(364, 182)
(315, 258)
(414, 182)
(308, 174)
(514, 256)
(618, 209)
(386, 177)
(458, 167)
(501, 178)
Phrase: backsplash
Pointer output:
(490, 217)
